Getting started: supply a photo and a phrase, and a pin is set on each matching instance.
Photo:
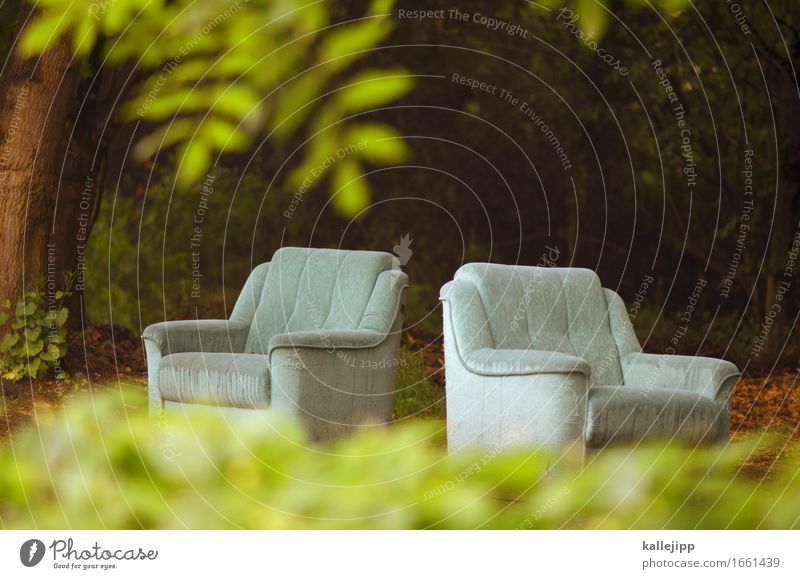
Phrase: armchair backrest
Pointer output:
(307, 289)
(552, 309)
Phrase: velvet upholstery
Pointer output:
(548, 357)
(621, 414)
(237, 380)
(314, 333)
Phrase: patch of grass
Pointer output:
(417, 395)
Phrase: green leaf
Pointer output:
(61, 317)
(343, 45)
(672, 6)
(33, 334)
(164, 137)
(377, 143)
(115, 16)
(224, 135)
(381, 6)
(322, 147)
(162, 102)
(51, 354)
(9, 340)
(236, 100)
(25, 309)
(374, 88)
(43, 33)
(593, 17)
(293, 102)
(32, 348)
(34, 366)
(351, 195)
(84, 36)
(311, 16)
(195, 161)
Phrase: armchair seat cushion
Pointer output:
(625, 414)
(236, 380)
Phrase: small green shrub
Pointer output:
(36, 338)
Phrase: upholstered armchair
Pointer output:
(546, 357)
(314, 333)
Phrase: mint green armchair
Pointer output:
(315, 333)
(547, 357)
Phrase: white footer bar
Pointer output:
(401, 554)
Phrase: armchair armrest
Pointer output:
(329, 340)
(491, 362)
(708, 377)
(504, 398)
(187, 336)
(465, 317)
(197, 336)
(335, 380)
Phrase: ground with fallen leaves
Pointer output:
(99, 359)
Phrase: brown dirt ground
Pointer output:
(95, 361)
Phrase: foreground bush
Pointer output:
(100, 463)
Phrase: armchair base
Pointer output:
(628, 415)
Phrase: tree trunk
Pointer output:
(36, 102)
(53, 128)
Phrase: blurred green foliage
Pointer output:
(139, 257)
(37, 336)
(100, 463)
(220, 76)
(647, 206)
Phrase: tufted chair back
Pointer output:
(552, 309)
(304, 289)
